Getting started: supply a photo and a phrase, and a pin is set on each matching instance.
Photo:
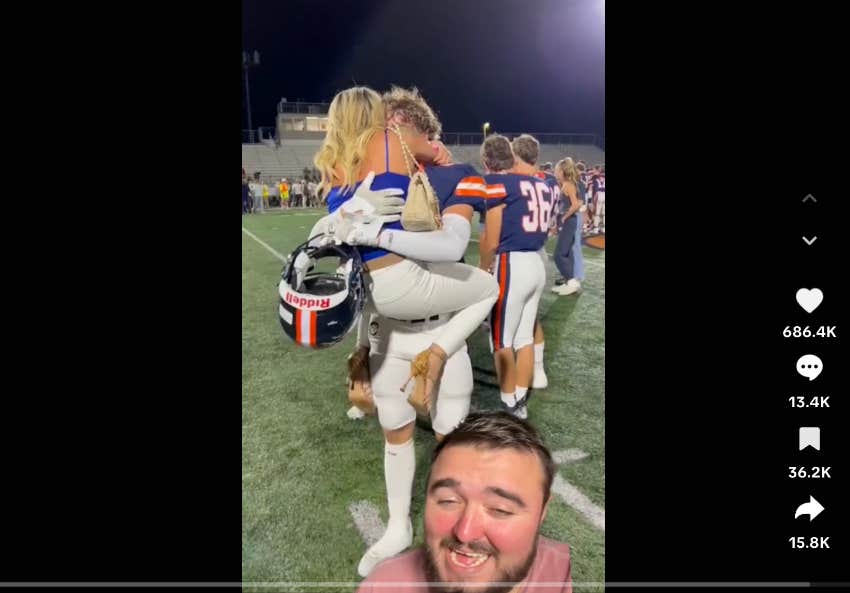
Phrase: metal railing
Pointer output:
(453, 138)
(259, 135)
(456, 138)
(301, 107)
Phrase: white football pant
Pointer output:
(393, 344)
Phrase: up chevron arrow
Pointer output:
(809, 197)
(810, 241)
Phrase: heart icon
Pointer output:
(809, 299)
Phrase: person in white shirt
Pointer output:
(311, 194)
(298, 193)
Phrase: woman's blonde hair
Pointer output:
(354, 116)
(568, 170)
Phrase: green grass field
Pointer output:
(304, 461)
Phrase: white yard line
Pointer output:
(264, 244)
(572, 495)
(569, 456)
(367, 519)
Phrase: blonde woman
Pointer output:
(362, 154)
(565, 249)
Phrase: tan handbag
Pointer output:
(421, 207)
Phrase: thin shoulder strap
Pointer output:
(387, 151)
(409, 159)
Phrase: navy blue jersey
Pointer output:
(560, 203)
(599, 184)
(337, 197)
(470, 192)
(527, 202)
(444, 180)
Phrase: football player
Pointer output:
(598, 184)
(358, 141)
(526, 149)
(390, 342)
(518, 211)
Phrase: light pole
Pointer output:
(486, 129)
(249, 60)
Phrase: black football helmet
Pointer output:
(318, 309)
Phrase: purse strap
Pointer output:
(406, 152)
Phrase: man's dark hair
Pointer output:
(527, 148)
(496, 153)
(500, 430)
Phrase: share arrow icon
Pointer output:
(812, 508)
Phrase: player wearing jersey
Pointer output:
(598, 185)
(526, 149)
(415, 306)
(518, 211)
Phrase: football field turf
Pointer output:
(305, 463)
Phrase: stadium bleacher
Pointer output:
(294, 154)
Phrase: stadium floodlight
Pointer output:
(249, 60)
(486, 128)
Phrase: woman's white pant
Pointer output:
(411, 290)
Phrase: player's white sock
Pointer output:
(538, 354)
(399, 468)
(520, 392)
(509, 399)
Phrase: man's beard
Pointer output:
(511, 575)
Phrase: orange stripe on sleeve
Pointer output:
(474, 193)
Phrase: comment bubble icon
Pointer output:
(810, 366)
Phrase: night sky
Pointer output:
(522, 65)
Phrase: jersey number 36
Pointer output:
(539, 208)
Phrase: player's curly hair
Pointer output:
(354, 116)
(568, 170)
(407, 106)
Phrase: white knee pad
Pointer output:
(388, 375)
(393, 345)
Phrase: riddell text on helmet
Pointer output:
(306, 303)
